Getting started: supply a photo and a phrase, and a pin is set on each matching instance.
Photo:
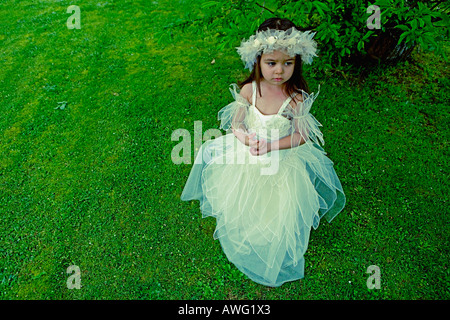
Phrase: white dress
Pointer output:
(265, 205)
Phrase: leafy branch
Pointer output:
(341, 26)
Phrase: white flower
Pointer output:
(256, 43)
(271, 40)
(292, 41)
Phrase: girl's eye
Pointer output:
(288, 63)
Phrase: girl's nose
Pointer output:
(279, 70)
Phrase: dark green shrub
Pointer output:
(342, 26)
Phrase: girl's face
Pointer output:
(277, 67)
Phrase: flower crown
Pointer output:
(291, 41)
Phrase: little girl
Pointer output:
(267, 181)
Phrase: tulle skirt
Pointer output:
(265, 205)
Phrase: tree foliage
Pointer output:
(343, 33)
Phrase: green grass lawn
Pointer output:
(86, 176)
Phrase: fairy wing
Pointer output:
(303, 121)
(233, 115)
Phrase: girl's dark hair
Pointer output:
(296, 83)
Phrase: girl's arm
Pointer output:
(241, 136)
(246, 138)
(238, 127)
(292, 141)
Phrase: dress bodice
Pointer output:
(271, 126)
(242, 116)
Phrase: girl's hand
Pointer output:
(244, 137)
(261, 147)
(252, 141)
